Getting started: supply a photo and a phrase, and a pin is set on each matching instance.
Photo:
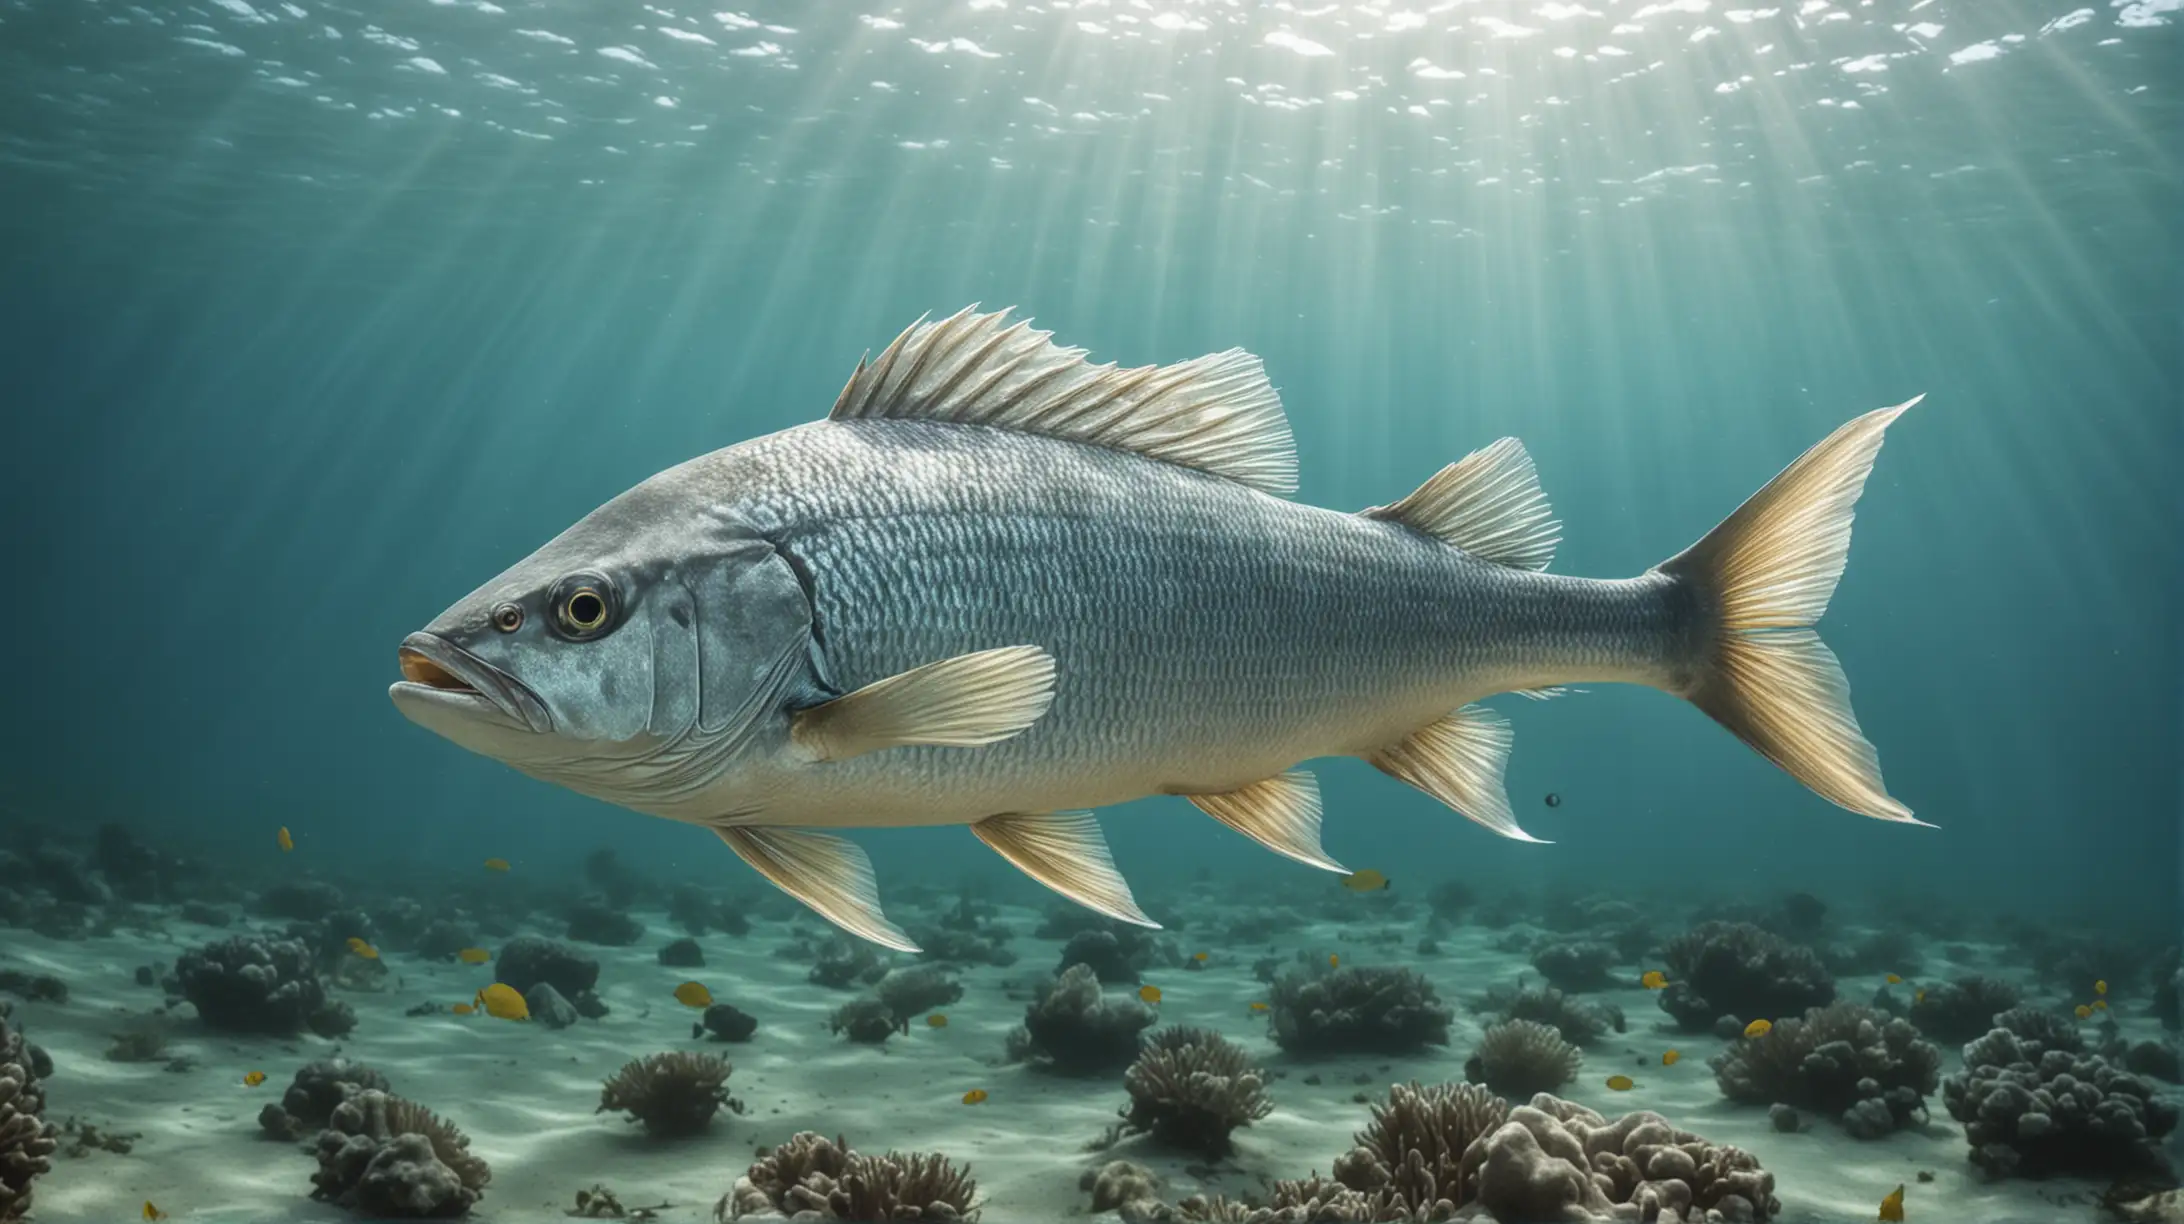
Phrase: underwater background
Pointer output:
(315, 315)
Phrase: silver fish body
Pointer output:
(999, 584)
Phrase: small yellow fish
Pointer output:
(1759, 1028)
(502, 1001)
(153, 1213)
(363, 949)
(496, 864)
(1148, 992)
(2100, 1005)
(693, 994)
(1892, 1206)
(473, 956)
(464, 1009)
(1654, 979)
(936, 1020)
(254, 1078)
(2100, 987)
(286, 843)
(974, 1096)
(1893, 980)
(1200, 957)
(2084, 1012)
(1367, 880)
(1918, 997)
(1333, 961)
(1621, 1083)
(1669, 1058)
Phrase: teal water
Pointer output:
(312, 316)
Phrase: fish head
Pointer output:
(657, 629)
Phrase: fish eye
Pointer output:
(508, 617)
(584, 606)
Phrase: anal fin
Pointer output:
(827, 873)
(1281, 813)
(1065, 852)
(1459, 760)
(965, 702)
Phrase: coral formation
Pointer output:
(318, 1089)
(594, 923)
(676, 1093)
(26, 1142)
(845, 964)
(1736, 969)
(2035, 1109)
(1363, 1010)
(1556, 1160)
(1520, 1058)
(1075, 1029)
(250, 984)
(1580, 1022)
(1191, 1087)
(726, 1023)
(867, 1020)
(1118, 1185)
(813, 1178)
(1962, 1009)
(913, 991)
(682, 954)
(1576, 964)
(1871, 1071)
(388, 1158)
(548, 1008)
(529, 960)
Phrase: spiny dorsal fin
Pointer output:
(1487, 503)
(1216, 413)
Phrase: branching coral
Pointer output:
(1518, 1058)
(1369, 1010)
(2038, 1110)
(1409, 1157)
(1843, 1059)
(1077, 1030)
(813, 1178)
(676, 1093)
(1191, 1087)
(255, 985)
(389, 1158)
(1736, 969)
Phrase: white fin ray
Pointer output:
(968, 701)
(1216, 413)
(827, 873)
(1460, 760)
(1281, 813)
(1065, 852)
(1487, 503)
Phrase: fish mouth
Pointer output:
(439, 675)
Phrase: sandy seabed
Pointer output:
(526, 1095)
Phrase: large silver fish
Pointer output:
(999, 585)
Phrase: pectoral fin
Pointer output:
(1459, 760)
(830, 875)
(1065, 852)
(1281, 813)
(964, 702)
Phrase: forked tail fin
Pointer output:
(1762, 578)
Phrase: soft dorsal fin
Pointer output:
(1216, 413)
(1487, 503)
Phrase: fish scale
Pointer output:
(1000, 583)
